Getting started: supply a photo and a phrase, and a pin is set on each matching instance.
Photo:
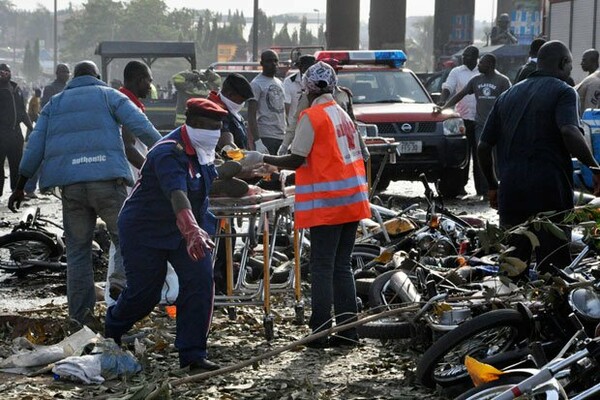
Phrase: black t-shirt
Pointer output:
(7, 110)
(486, 90)
(535, 169)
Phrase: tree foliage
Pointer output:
(81, 28)
(31, 61)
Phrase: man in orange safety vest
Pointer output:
(331, 198)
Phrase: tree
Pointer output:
(282, 38)
(31, 61)
(146, 19)
(182, 21)
(306, 36)
(419, 45)
(98, 20)
(321, 35)
(266, 30)
(6, 12)
(295, 37)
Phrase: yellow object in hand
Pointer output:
(235, 154)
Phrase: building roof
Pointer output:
(137, 49)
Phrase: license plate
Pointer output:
(410, 147)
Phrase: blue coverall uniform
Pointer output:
(150, 238)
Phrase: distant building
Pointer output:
(575, 23)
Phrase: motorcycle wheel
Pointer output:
(18, 247)
(492, 389)
(482, 337)
(363, 254)
(391, 287)
(385, 329)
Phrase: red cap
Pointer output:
(205, 108)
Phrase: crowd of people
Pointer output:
(96, 144)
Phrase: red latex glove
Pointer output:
(196, 239)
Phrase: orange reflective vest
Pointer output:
(331, 186)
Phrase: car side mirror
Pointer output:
(436, 97)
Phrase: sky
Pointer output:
(483, 8)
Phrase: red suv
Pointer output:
(391, 97)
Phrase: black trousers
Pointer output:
(472, 144)
(11, 148)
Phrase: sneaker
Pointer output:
(31, 195)
(203, 365)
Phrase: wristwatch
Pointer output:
(595, 170)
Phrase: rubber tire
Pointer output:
(363, 286)
(385, 329)
(365, 253)
(375, 302)
(451, 182)
(377, 286)
(503, 383)
(479, 324)
(51, 251)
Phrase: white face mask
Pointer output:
(232, 106)
(204, 142)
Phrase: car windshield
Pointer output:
(387, 86)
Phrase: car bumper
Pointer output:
(438, 154)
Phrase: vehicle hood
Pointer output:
(400, 112)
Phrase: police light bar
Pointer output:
(397, 58)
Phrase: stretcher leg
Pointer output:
(299, 306)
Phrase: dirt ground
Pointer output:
(34, 307)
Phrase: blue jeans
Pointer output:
(82, 204)
(332, 281)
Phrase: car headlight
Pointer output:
(454, 127)
(367, 129)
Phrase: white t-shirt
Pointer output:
(292, 89)
(456, 81)
(270, 113)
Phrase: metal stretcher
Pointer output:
(254, 213)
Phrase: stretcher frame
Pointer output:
(256, 215)
(389, 152)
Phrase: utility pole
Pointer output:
(55, 35)
(255, 32)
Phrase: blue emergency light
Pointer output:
(397, 58)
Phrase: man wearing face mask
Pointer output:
(166, 218)
(235, 92)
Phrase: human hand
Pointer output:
(197, 241)
(15, 200)
(251, 159)
(493, 198)
(228, 147)
(282, 151)
(260, 147)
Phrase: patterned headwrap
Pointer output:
(320, 78)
